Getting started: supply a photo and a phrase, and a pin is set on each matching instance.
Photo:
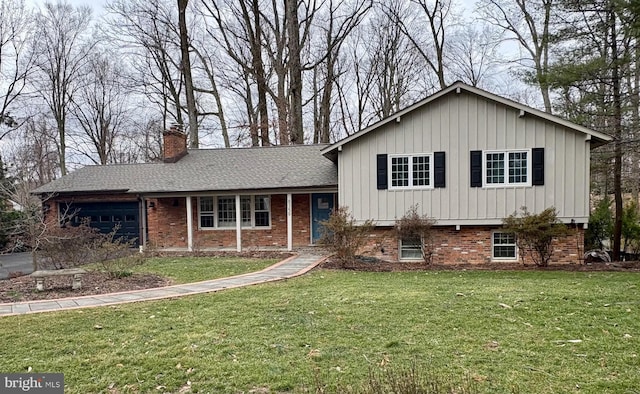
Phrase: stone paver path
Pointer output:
(289, 268)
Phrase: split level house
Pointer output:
(465, 157)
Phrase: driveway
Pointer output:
(15, 262)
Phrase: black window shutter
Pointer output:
(537, 161)
(381, 171)
(439, 169)
(476, 168)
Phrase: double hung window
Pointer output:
(507, 168)
(503, 246)
(220, 211)
(411, 171)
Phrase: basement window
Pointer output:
(503, 246)
(411, 249)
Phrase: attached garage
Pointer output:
(105, 216)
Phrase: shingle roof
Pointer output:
(295, 166)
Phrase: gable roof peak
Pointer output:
(597, 138)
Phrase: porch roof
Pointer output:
(291, 167)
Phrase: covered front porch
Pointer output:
(247, 220)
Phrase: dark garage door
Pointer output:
(106, 215)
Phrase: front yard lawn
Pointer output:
(507, 332)
(195, 269)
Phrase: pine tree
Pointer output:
(594, 76)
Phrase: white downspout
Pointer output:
(289, 222)
(238, 224)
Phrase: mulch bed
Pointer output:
(23, 288)
(376, 265)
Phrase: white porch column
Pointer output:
(238, 224)
(189, 224)
(143, 223)
(289, 222)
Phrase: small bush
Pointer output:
(72, 246)
(631, 228)
(343, 236)
(535, 233)
(67, 246)
(415, 226)
(115, 255)
(600, 225)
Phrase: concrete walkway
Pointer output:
(289, 268)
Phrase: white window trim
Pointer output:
(216, 226)
(410, 186)
(400, 258)
(506, 169)
(493, 257)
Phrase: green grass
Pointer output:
(194, 269)
(557, 332)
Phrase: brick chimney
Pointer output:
(174, 144)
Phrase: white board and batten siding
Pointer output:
(458, 123)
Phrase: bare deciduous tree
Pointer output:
(341, 19)
(148, 30)
(529, 23)
(185, 63)
(33, 151)
(100, 107)
(395, 61)
(62, 49)
(473, 54)
(431, 45)
(241, 38)
(16, 58)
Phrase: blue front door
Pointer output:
(321, 207)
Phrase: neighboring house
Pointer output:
(463, 156)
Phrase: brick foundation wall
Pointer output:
(469, 245)
(167, 225)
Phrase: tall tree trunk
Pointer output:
(295, 73)
(62, 148)
(186, 73)
(255, 42)
(617, 119)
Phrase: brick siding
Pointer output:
(469, 245)
(168, 225)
